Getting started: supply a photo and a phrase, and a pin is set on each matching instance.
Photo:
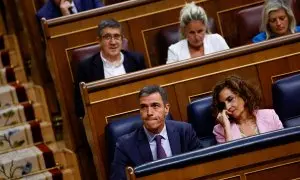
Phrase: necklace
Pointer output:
(254, 129)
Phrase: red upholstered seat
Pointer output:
(81, 54)
(248, 23)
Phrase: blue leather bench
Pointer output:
(200, 116)
(286, 100)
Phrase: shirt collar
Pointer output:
(109, 64)
(151, 136)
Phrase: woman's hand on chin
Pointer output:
(223, 119)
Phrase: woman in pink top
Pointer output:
(236, 107)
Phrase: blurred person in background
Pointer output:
(196, 38)
(57, 8)
(277, 20)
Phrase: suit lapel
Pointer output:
(128, 66)
(78, 5)
(144, 147)
(98, 69)
(174, 139)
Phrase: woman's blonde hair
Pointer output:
(191, 12)
(273, 5)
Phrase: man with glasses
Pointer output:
(109, 62)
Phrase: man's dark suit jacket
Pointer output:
(133, 149)
(50, 10)
(91, 69)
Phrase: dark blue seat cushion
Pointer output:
(286, 100)
(200, 116)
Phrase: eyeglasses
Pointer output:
(109, 37)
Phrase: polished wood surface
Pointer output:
(184, 81)
(268, 163)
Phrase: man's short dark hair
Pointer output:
(151, 89)
(108, 23)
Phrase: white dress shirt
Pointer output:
(164, 142)
(74, 9)
(112, 69)
(180, 51)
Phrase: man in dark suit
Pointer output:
(156, 139)
(57, 8)
(109, 62)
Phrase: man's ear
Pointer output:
(167, 108)
(98, 39)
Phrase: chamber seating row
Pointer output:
(249, 18)
(200, 116)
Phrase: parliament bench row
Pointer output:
(200, 116)
(248, 18)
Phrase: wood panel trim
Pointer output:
(115, 97)
(144, 39)
(231, 177)
(199, 95)
(118, 114)
(72, 32)
(162, 26)
(279, 76)
(232, 9)
(271, 167)
(146, 50)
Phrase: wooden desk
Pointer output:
(185, 81)
(278, 162)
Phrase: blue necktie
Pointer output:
(159, 149)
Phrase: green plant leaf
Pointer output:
(18, 143)
(9, 114)
(13, 123)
